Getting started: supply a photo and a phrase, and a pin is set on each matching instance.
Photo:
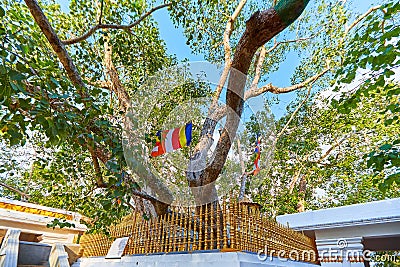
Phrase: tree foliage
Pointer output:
(375, 49)
(343, 142)
(37, 96)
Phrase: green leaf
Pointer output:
(55, 81)
(2, 12)
(383, 187)
(16, 76)
(385, 147)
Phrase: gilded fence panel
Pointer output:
(224, 226)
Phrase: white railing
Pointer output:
(9, 249)
(58, 256)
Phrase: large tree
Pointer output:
(73, 79)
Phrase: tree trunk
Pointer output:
(302, 194)
(260, 28)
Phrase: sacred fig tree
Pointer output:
(74, 79)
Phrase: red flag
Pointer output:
(257, 150)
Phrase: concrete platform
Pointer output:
(201, 259)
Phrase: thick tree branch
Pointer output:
(258, 68)
(101, 11)
(360, 18)
(115, 83)
(260, 28)
(227, 52)
(197, 161)
(282, 90)
(294, 180)
(55, 43)
(100, 154)
(301, 39)
(302, 192)
(220, 111)
(112, 26)
(19, 192)
(99, 177)
(228, 60)
(76, 79)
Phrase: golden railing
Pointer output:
(226, 227)
(95, 244)
(38, 211)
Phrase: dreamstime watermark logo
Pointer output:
(394, 257)
(342, 243)
(168, 100)
(284, 255)
(339, 253)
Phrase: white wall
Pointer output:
(206, 259)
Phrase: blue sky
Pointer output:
(176, 44)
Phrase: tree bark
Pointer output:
(112, 26)
(19, 192)
(55, 43)
(115, 82)
(302, 194)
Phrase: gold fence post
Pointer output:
(134, 236)
(201, 247)
(146, 237)
(232, 225)
(244, 221)
(153, 235)
(160, 234)
(260, 231)
(141, 237)
(237, 222)
(181, 232)
(163, 241)
(170, 231)
(174, 227)
(206, 219)
(213, 241)
(219, 228)
(187, 230)
(225, 221)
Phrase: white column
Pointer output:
(9, 249)
(341, 252)
(58, 256)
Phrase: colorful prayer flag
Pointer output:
(257, 150)
(170, 140)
